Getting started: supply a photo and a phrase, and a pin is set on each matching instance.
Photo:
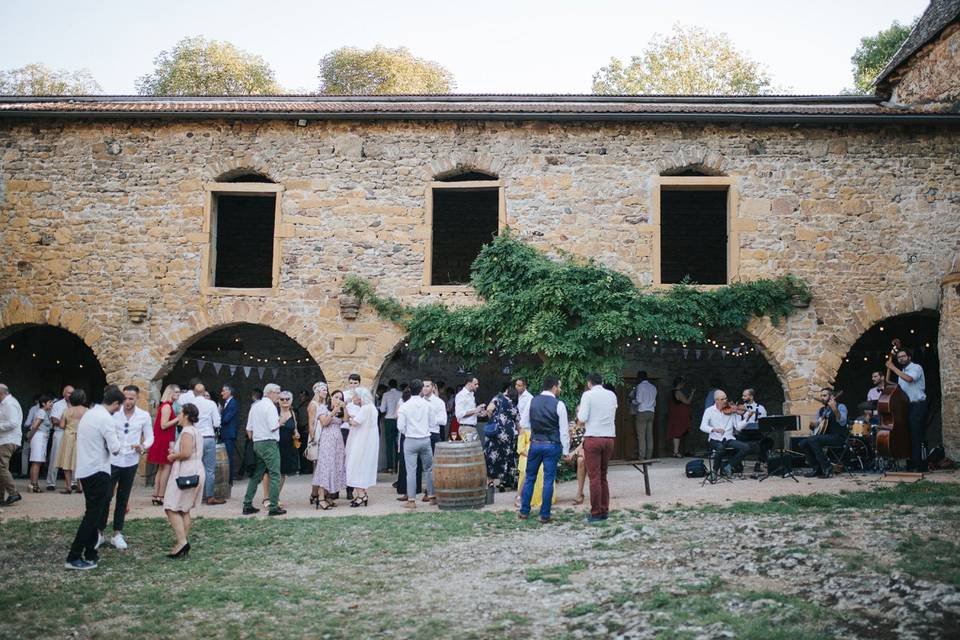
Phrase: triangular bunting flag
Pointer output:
(201, 364)
(233, 369)
(274, 371)
(246, 371)
(698, 353)
(216, 366)
(261, 371)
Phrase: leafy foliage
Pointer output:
(875, 52)
(571, 316)
(690, 61)
(379, 71)
(40, 80)
(200, 67)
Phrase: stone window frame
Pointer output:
(693, 183)
(209, 233)
(441, 289)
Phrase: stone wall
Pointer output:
(102, 218)
(930, 79)
(949, 347)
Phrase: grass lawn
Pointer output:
(448, 574)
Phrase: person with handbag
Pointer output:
(326, 447)
(185, 486)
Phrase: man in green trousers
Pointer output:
(263, 429)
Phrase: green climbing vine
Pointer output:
(570, 316)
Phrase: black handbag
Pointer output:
(188, 482)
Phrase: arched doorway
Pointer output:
(727, 359)
(917, 332)
(246, 357)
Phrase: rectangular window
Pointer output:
(463, 217)
(244, 240)
(693, 235)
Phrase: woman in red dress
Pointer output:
(164, 433)
(678, 416)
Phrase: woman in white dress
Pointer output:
(38, 436)
(363, 447)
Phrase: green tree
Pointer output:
(875, 52)
(690, 61)
(40, 80)
(352, 71)
(200, 67)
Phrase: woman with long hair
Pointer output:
(164, 433)
(329, 473)
(500, 443)
(186, 460)
(38, 436)
(67, 456)
(678, 414)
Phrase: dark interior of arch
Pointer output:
(917, 331)
(230, 356)
(44, 359)
(243, 175)
(467, 176)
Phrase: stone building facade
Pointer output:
(106, 208)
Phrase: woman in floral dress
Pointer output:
(329, 471)
(500, 443)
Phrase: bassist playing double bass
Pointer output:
(912, 383)
(832, 417)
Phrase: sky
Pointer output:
(519, 46)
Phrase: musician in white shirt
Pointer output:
(722, 428)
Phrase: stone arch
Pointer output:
(464, 162)
(226, 169)
(244, 174)
(21, 313)
(769, 340)
(692, 159)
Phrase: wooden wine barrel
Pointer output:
(221, 481)
(459, 475)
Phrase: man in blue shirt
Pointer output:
(913, 384)
(229, 417)
(835, 435)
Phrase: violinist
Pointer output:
(721, 422)
(834, 417)
(913, 384)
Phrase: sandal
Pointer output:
(157, 501)
(516, 502)
(578, 500)
(66, 491)
(314, 499)
(323, 504)
(35, 488)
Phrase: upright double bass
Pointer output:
(893, 434)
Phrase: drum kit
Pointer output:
(861, 447)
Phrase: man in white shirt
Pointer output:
(523, 402)
(56, 418)
(263, 429)
(722, 432)
(465, 405)
(207, 427)
(752, 412)
(598, 415)
(388, 405)
(415, 417)
(135, 432)
(96, 442)
(549, 440)
(11, 418)
(912, 382)
(438, 412)
(643, 406)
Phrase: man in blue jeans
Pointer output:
(549, 439)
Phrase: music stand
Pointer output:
(780, 424)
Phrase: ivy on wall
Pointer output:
(572, 316)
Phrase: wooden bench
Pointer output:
(643, 466)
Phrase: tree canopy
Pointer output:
(353, 71)
(689, 61)
(200, 67)
(572, 316)
(40, 80)
(875, 52)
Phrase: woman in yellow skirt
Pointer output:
(523, 446)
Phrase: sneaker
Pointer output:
(15, 497)
(727, 470)
(79, 565)
(100, 540)
(410, 504)
(523, 516)
(248, 509)
(593, 519)
(276, 512)
(118, 542)
(51, 487)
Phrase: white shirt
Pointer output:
(139, 431)
(645, 397)
(59, 408)
(916, 390)
(598, 412)
(758, 412)
(11, 417)
(523, 408)
(464, 403)
(713, 418)
(209, 413)
(96, 441)
(414, 418)
(264, 420)
(389, 403)
(438, 413)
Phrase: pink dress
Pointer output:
(183, 500)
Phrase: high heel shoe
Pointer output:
(360, 501)
(35, 488)
(323, 504)
(314, 499)
(182, 553)
(157, 501)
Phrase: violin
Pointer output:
(731, 409)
